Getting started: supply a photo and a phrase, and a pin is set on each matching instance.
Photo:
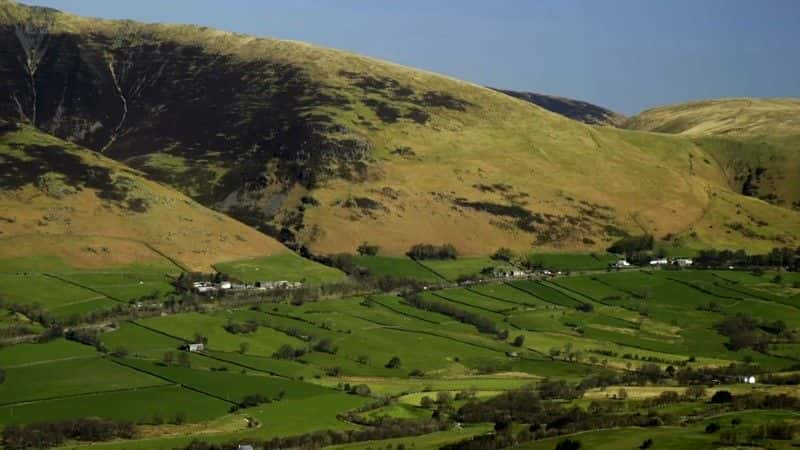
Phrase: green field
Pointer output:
(452, 269)
(398, 267)
(286, 266)
(573, 261)
(633, 317)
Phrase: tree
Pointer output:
(585, 307)
(120, 352)
(363, 359)
(184, 360)
(722, 397)
(519, 341)
(393, 363)
(712, 427)
(244, 347)
(503, 254)
(695, 392)
(366, 249)
(647, 443)
(200, 339)
(168, 358)
(569, 444)
(2, 376)
(426, 402)
(622, 394)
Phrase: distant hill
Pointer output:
(325, 149)
(756, 141)
(574, 109)
(749, 117)
(63, 201)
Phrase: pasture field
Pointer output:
(397, 266)
(286, 266)
(676, 438)
(69, 378)
(572, 261)
(568, 328)
(452, 269)
(51, 294)
(137, 404)
(431, 441)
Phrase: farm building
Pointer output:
(198, 347)
(622, 264)
(682, 262)
(659, 262)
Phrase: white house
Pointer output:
(682, 262)
(198, 347)
(659, 262)
(748, 379)
(206, 289)
(621, 264)
(225, 285)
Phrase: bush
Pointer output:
(569, 444)
(503, 254)
(633, 244)
(722, 397)
(519, 341)
(713, 427)
(393, 363)
(368, 249)
(326, 346)
(647, 443)
(428, 251)
(586, 307)
(53, 434)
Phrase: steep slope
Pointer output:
(326, 149)
(59, 200)
(574, 109)
(756, 141)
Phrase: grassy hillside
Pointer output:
(752, 117)
(326, 149)
(67, 207)
(755, 141)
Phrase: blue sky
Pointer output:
(627, 55)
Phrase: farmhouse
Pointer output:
(748, 379)
(682, 262)
(198, 347)
(659, 262)
(622, 264)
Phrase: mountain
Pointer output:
(325, 149)
(574, 109)
(755, 141)
(61, 200)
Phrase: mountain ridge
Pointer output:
(325, 149)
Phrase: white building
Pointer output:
(225, 285)
(198, 347)
(621, 264)
(682, 262)
(659, 262)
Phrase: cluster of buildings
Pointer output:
(510, 273)
(658, 262)
(210, 287)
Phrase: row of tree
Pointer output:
(53, 434)
(483, 324)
